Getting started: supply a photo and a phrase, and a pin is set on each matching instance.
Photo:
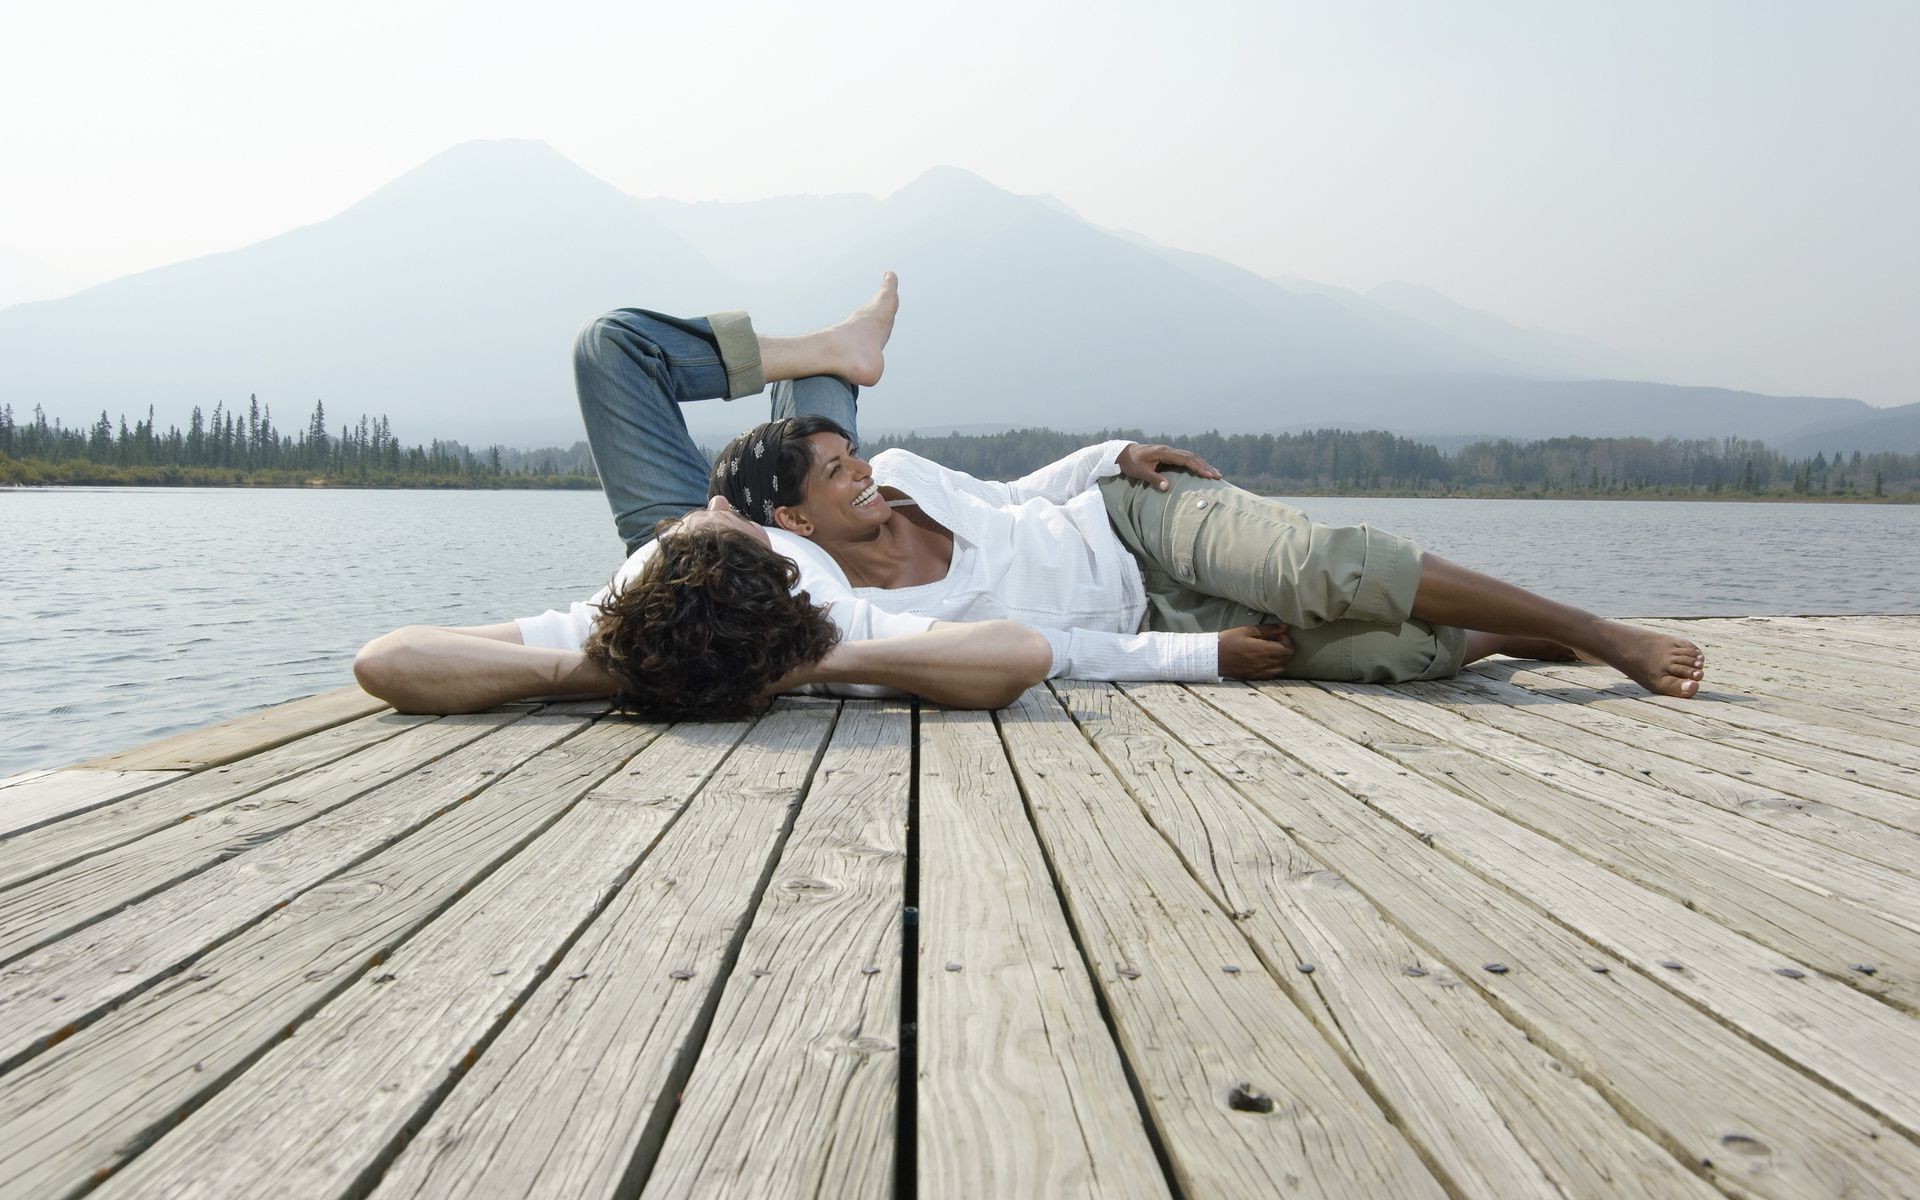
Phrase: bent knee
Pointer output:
(596, 336)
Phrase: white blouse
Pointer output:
(1038, 550)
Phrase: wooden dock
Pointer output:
(1525, 933)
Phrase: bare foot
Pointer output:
(860, 339)
(1480, 645)
(1658, 662)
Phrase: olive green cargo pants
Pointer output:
(1214, 556)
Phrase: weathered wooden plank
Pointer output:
(320, 1113)
(1828, 639)
(1703, 755)
(1811, 928)
(1495, 1113)
(1862, 1048)
(45, 797)
(74, 1113)
(1836, 645)
(1875, 889)
(199, 749)
(188, 797)
(577, 1089)
(1755, 1124)
(1612, 759)
(796, 1087)
(1815, 692)
(42, 909)
(1575, 684)
(46, 994)
(1807, 926)
(1863, 701)
(1728, 721)
(1193, 1033)
(1020, 1089)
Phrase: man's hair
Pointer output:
(766, 467)
(706, 627)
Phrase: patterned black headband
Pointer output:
(748, 473)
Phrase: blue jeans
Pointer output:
(633, 369)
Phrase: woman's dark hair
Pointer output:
(706, 627)
(766, 467)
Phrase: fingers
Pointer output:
(1186, 460)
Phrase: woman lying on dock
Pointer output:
(905, 575)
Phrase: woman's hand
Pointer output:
(1141, 460)
(1255, 652)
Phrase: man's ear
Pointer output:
(793, 521)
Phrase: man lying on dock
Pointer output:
(903, 575)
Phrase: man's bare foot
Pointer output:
(1480, 645)
(860, 339)
(1658, 662)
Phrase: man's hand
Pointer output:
(1141, 461)
(1255, 652)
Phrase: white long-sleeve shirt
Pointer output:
(1038, 550)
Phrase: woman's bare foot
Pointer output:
(1658, 662)
(859, 340)
(1480, 645)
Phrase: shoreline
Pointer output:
(320, 485)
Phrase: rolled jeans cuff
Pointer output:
(739, 353)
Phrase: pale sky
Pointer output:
(1724, 191)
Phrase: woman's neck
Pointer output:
(910, 550)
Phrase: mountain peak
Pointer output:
(487, 170)
(950, 181)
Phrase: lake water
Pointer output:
(131, 614)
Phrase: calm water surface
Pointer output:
(131, 614)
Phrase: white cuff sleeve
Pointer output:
(1176, 657)
(1063, 480)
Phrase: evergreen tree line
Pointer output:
(232, 447)
(1347, 462)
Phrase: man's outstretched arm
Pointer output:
(433, 669)
(961, 664)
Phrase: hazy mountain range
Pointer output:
(448, 300)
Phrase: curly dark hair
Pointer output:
(766, 467)
(706, 627)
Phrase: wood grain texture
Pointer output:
(1809, 927)
(320, 1112)
(1495, 1113)
(199, 749)
(61, 901)
(33, 801)
(571, 1100)
(76, 1112)
(1545, 697)
(1725, 1105)
(1158, 945)
(46, 994)
(186, 797)
(1837, 831)
(795, 1090)
(1864, 1048)
(1730, 722)
(1020, 1089)
(1875, 889)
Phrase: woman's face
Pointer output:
(839, 501)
